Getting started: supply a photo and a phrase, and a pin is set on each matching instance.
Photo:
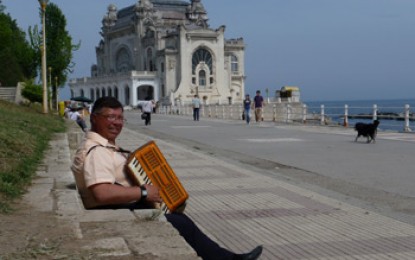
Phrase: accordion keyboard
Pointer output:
(147, 165)
(142, 178)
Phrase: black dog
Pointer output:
(367, 130)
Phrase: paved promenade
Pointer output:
(236, 206)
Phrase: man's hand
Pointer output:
(153, 193)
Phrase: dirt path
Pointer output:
(28, 234)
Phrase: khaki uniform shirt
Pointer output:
(97, 161)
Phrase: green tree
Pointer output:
(59, 46)
(32, 92)
(17, 58)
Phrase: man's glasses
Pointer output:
(113, 118)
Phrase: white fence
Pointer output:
(297, 112)
(271, 111)
(396, 118)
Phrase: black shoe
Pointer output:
(254, 254)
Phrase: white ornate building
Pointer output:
(164, 50)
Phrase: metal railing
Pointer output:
(400, 119)
(396, 118)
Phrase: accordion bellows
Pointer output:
(147, 165)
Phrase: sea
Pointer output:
(335, 111)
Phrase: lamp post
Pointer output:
(43, 4)
(57, 95)
(50, 87)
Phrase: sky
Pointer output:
(331, 49)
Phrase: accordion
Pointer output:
(147, 165)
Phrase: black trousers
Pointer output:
(205, 247)
(148, 118)
(196, 114)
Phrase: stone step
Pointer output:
(8, 93)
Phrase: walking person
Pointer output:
(247, 108)
(99, 170)
(258, 105)
(196, 107)
(147, 107)
(78, 118)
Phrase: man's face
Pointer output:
(108, 123)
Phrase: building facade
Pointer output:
(164, 50)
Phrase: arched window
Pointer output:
(92, 93)
(202, 68)
(82, 93)
(103, 92)
(123, 60)
(127, 95)
(201, 55)
(149, 64)
(202, 78)
(109, 92)
(116, 93)
(98, 95)
(234, 64)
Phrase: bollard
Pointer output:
(322, 116)
(375, 112)
(274, 113)
(406, 128)
(304, 110)
(346, 116)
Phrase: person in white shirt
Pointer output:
(196, 107)
(147, 108)
(76, 116)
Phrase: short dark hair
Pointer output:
(102, 102)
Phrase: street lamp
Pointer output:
(57, 95)
(43, 4)
(50, 96)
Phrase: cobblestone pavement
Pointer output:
(241, 209)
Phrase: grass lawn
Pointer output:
(24, 136)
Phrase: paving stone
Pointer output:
(114, 247)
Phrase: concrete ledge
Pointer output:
(109, 247)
